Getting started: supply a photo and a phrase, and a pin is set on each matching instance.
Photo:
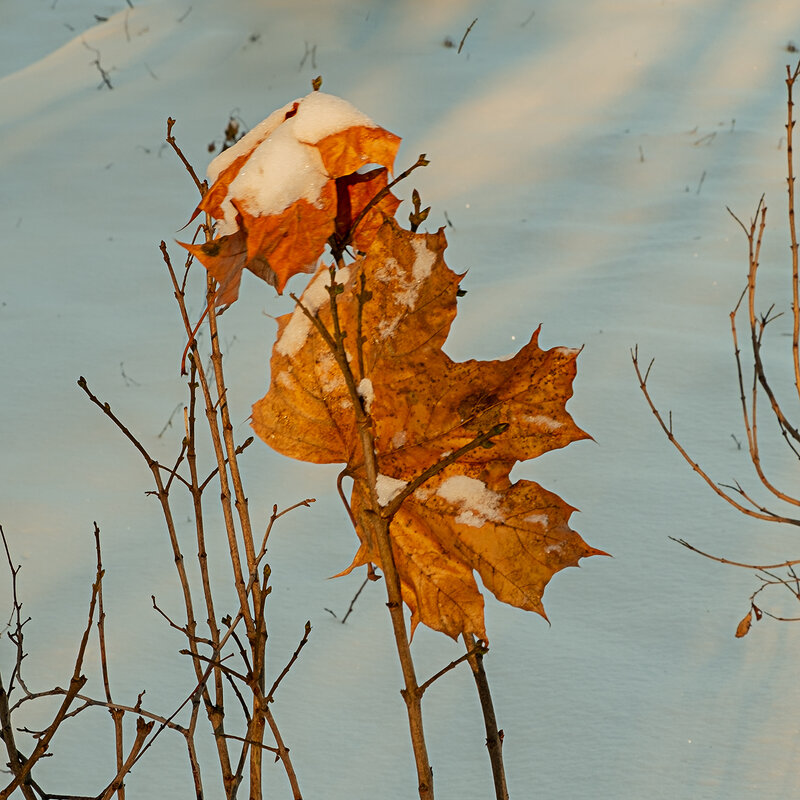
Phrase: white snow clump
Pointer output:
(388, 488)
(544, 421)
(366, 392)
(314, 297)
(284, 166)
(478, 503)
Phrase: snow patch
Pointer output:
(388, 488)
(538, 519)
(330, 376)
(423, 263)
(278, 173)
(283, 165)
(478, 504)
(314, 297)
(544, 421)
(399, 439)
(387, 327)
(408, 285)
(366, 393)
(388, 271)
(321, 114)
(255, 136)
(284, 379)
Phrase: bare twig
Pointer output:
(116, 714)
(22, 769)
(202, 186)
(749, 400)
(353, 601)
(106, 80)
(474, 650)
(765, 515)
(466, 33)
(758, 567)
(284, 672)
(494, 736)
(371, 518)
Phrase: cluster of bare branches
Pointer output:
(226, 647)
(15, 696)
(753, 389)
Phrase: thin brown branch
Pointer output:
(116, 715)
(363, 297)
(15, 623)
(758, 567)
(371, 519)
(494, 736)
(217, 663)
(271, 694)
(283, 754)
(749, 415)
(252, 743)
(466, 33)
(117, 784)
(239, 450)
(768, 516)
(202, 186)
(755, 240)
(191, 624)
(355, 597)
(791, 78)
(181, 628)
(340, 489)
(338, 246)
(23, 769)
(474, 650)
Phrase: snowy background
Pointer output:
(585, 153)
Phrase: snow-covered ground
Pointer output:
(585, 153)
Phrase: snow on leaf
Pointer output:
(366, 392)
(294, 331)
(288, 185)
(388, 488)
(467, 520)
(476, 501)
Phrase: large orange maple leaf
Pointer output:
(468, 517)
(282, 190)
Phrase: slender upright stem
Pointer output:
(790, 180)
(494, 737)
(116, 714)
(258, 634)
(372, 520)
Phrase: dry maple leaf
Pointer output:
(285, 187)
(467, 518)
(743, 628)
